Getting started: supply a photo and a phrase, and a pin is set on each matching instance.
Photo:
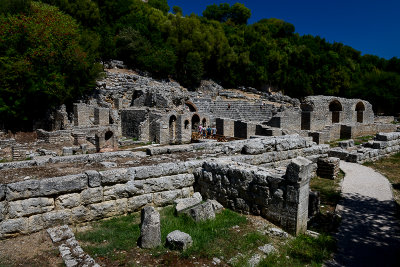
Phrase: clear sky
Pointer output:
(370, 26)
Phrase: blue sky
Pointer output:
(370, 26)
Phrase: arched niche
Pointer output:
(335, 107)
(360, 108)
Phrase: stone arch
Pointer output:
(195, 121)
(360, 108)
(172, 128)
(306, 110)
(335, 107)
(192, 107)
(204, 122)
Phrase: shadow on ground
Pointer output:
(369, 234)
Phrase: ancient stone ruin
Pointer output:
(135, 143)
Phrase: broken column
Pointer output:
(150, 229)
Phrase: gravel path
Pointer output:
(369, 234)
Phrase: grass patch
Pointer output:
(110, 235)
(303, 251)
(329, 191)
(114, 239)
(326, 221)
(230, 235)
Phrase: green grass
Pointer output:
(119, 233)
(115, 240)
(329, 191)
(303, 251)
(209, 237)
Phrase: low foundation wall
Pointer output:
(385, 144)
(32, 205)
(278, 196)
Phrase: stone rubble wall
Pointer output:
(385, 144)
(32, 205)
(278, 196)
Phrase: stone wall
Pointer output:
(385, 144)
(31, 205)
(278, 196)
(321, 107)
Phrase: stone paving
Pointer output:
(369, 234)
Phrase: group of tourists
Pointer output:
(207, 131)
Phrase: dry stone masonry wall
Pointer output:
(32, 205)
(384, 144)
(280, 197)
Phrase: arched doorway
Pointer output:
(335, 108)
(306, 110)
(360, 108)
(204, 122)
(195, 122)
(172, 129)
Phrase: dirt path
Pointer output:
(369, 234)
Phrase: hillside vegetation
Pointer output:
(51, 59)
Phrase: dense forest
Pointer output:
(50, 52)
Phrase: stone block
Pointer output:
(60, 233)
(62, 185)
(137, 202)
(23, 189)
(2, 210)
(67, 151)
(217, 207)
(80, 214)
(92, 195)
(115, 176)
(166, 198)
(150, 228)
(299, 170)
(94, 179)
(202, 212)
(26, 207)
(178, 240)
(68, 201)
(49, 219)
(2, 192)
(13, 226)
(185, 203)
(120, 191)
(108, 208)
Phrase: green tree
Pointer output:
(42, 64)
(177, 10)
(160, 4)
(239, 14)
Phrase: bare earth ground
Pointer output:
(31, 250)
